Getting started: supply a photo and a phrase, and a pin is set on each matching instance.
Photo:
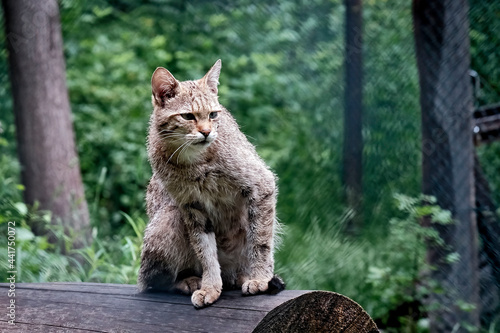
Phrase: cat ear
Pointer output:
(164, 85)
(211, 79)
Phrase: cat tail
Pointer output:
(153, 277)
(276, 285)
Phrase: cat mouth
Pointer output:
(202, 143)
(205, 141)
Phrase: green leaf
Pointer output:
(23, 234)
(442, 217)
(21, 208)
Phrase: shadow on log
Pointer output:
(318, 311)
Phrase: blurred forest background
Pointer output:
(283, 79)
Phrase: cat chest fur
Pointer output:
(211, 195)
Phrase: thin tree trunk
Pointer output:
(353, 100)
(50, 169)
(442, 45)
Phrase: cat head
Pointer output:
(186, 114)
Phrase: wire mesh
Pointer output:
(485, 43)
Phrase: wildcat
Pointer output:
(211, 199)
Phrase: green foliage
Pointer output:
(35, 258)
(114, 259)
(381, 274)
(110, 258)
(405, 279)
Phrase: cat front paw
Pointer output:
(205, 297)
(188, 285)
(253, 287)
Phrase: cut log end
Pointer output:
(318, 311)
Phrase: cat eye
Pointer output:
(187, 116)
(213, 115)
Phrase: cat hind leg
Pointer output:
(154, 277)
(273, 286)
(188, 285)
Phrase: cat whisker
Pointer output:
(168, 131)
(174, 137)
(183, 149)
(180, 147)
(171, 134)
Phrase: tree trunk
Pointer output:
(442, 45)
(489, 233)
(353, 140)
(50, 169)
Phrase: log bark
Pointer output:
(46, 145)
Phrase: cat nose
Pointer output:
(205, 132)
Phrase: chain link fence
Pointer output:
(451, 171)
(441, 34)
(485, 45)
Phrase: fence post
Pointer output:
(442, 47)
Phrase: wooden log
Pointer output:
(318, 311)
(96, 307)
